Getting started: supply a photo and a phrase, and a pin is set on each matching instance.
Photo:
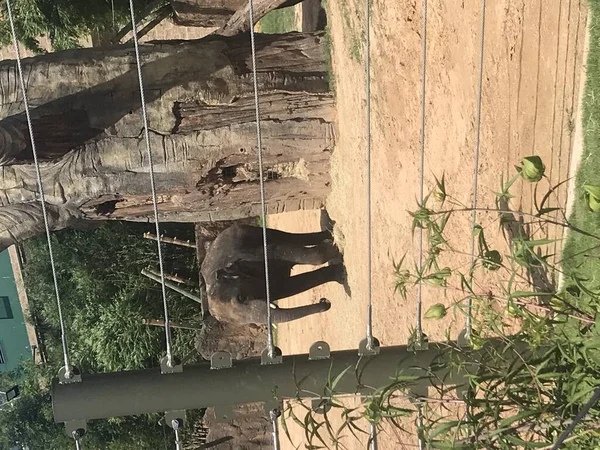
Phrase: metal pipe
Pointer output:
(104, 395)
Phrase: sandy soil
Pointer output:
(532, 69)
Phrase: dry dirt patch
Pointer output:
(532, 73)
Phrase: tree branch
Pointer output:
(148, 11)
(161, 15)
(21, 222)
(239, 22)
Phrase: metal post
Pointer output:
(104, 395)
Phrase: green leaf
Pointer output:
(532, 169)
(592, 190)
(440, 193)
(525, 444)
(543, 211)
(443, 428)
(436, 312)
(513, 309)
(339, 377)
(594, 203)
(524, 294)
(592, 194)
(492, 260)
(522, 415)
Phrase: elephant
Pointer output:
(234, 273)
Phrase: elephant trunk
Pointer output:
(282, 315)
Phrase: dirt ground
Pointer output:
(532, 70)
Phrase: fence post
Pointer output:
(106, 395)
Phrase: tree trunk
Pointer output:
(218, 13)
(88, 129)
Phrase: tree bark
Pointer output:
(88, 129)
(218, 13)
(205, 13)
(240, 23)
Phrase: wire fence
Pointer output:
(275, 414)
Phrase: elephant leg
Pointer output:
(306, 281)
(282, 315)
(315, 256)
(299, 239)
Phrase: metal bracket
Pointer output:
(364, 350)
(275, 414)
(276, 358)
(221, 360)
(74, 378)
(420, 342)
(272, 405)
(175, 419)
(165, 368)
(76, 429)
(464, 340)
(319, 350)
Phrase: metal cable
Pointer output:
(373, 437)
(178, 442)
(270, 343)
(469, 321)
(419, 329)
(77, 439)
(369, 217)
(275, 413)
(68, 368)
(170, 362)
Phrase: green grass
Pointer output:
(582, 253)
(278, 21)
(354, 36)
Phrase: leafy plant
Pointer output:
(63, 22)
(104, 298)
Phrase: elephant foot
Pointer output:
(326, 222)
(340, 274)
(337, 260)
